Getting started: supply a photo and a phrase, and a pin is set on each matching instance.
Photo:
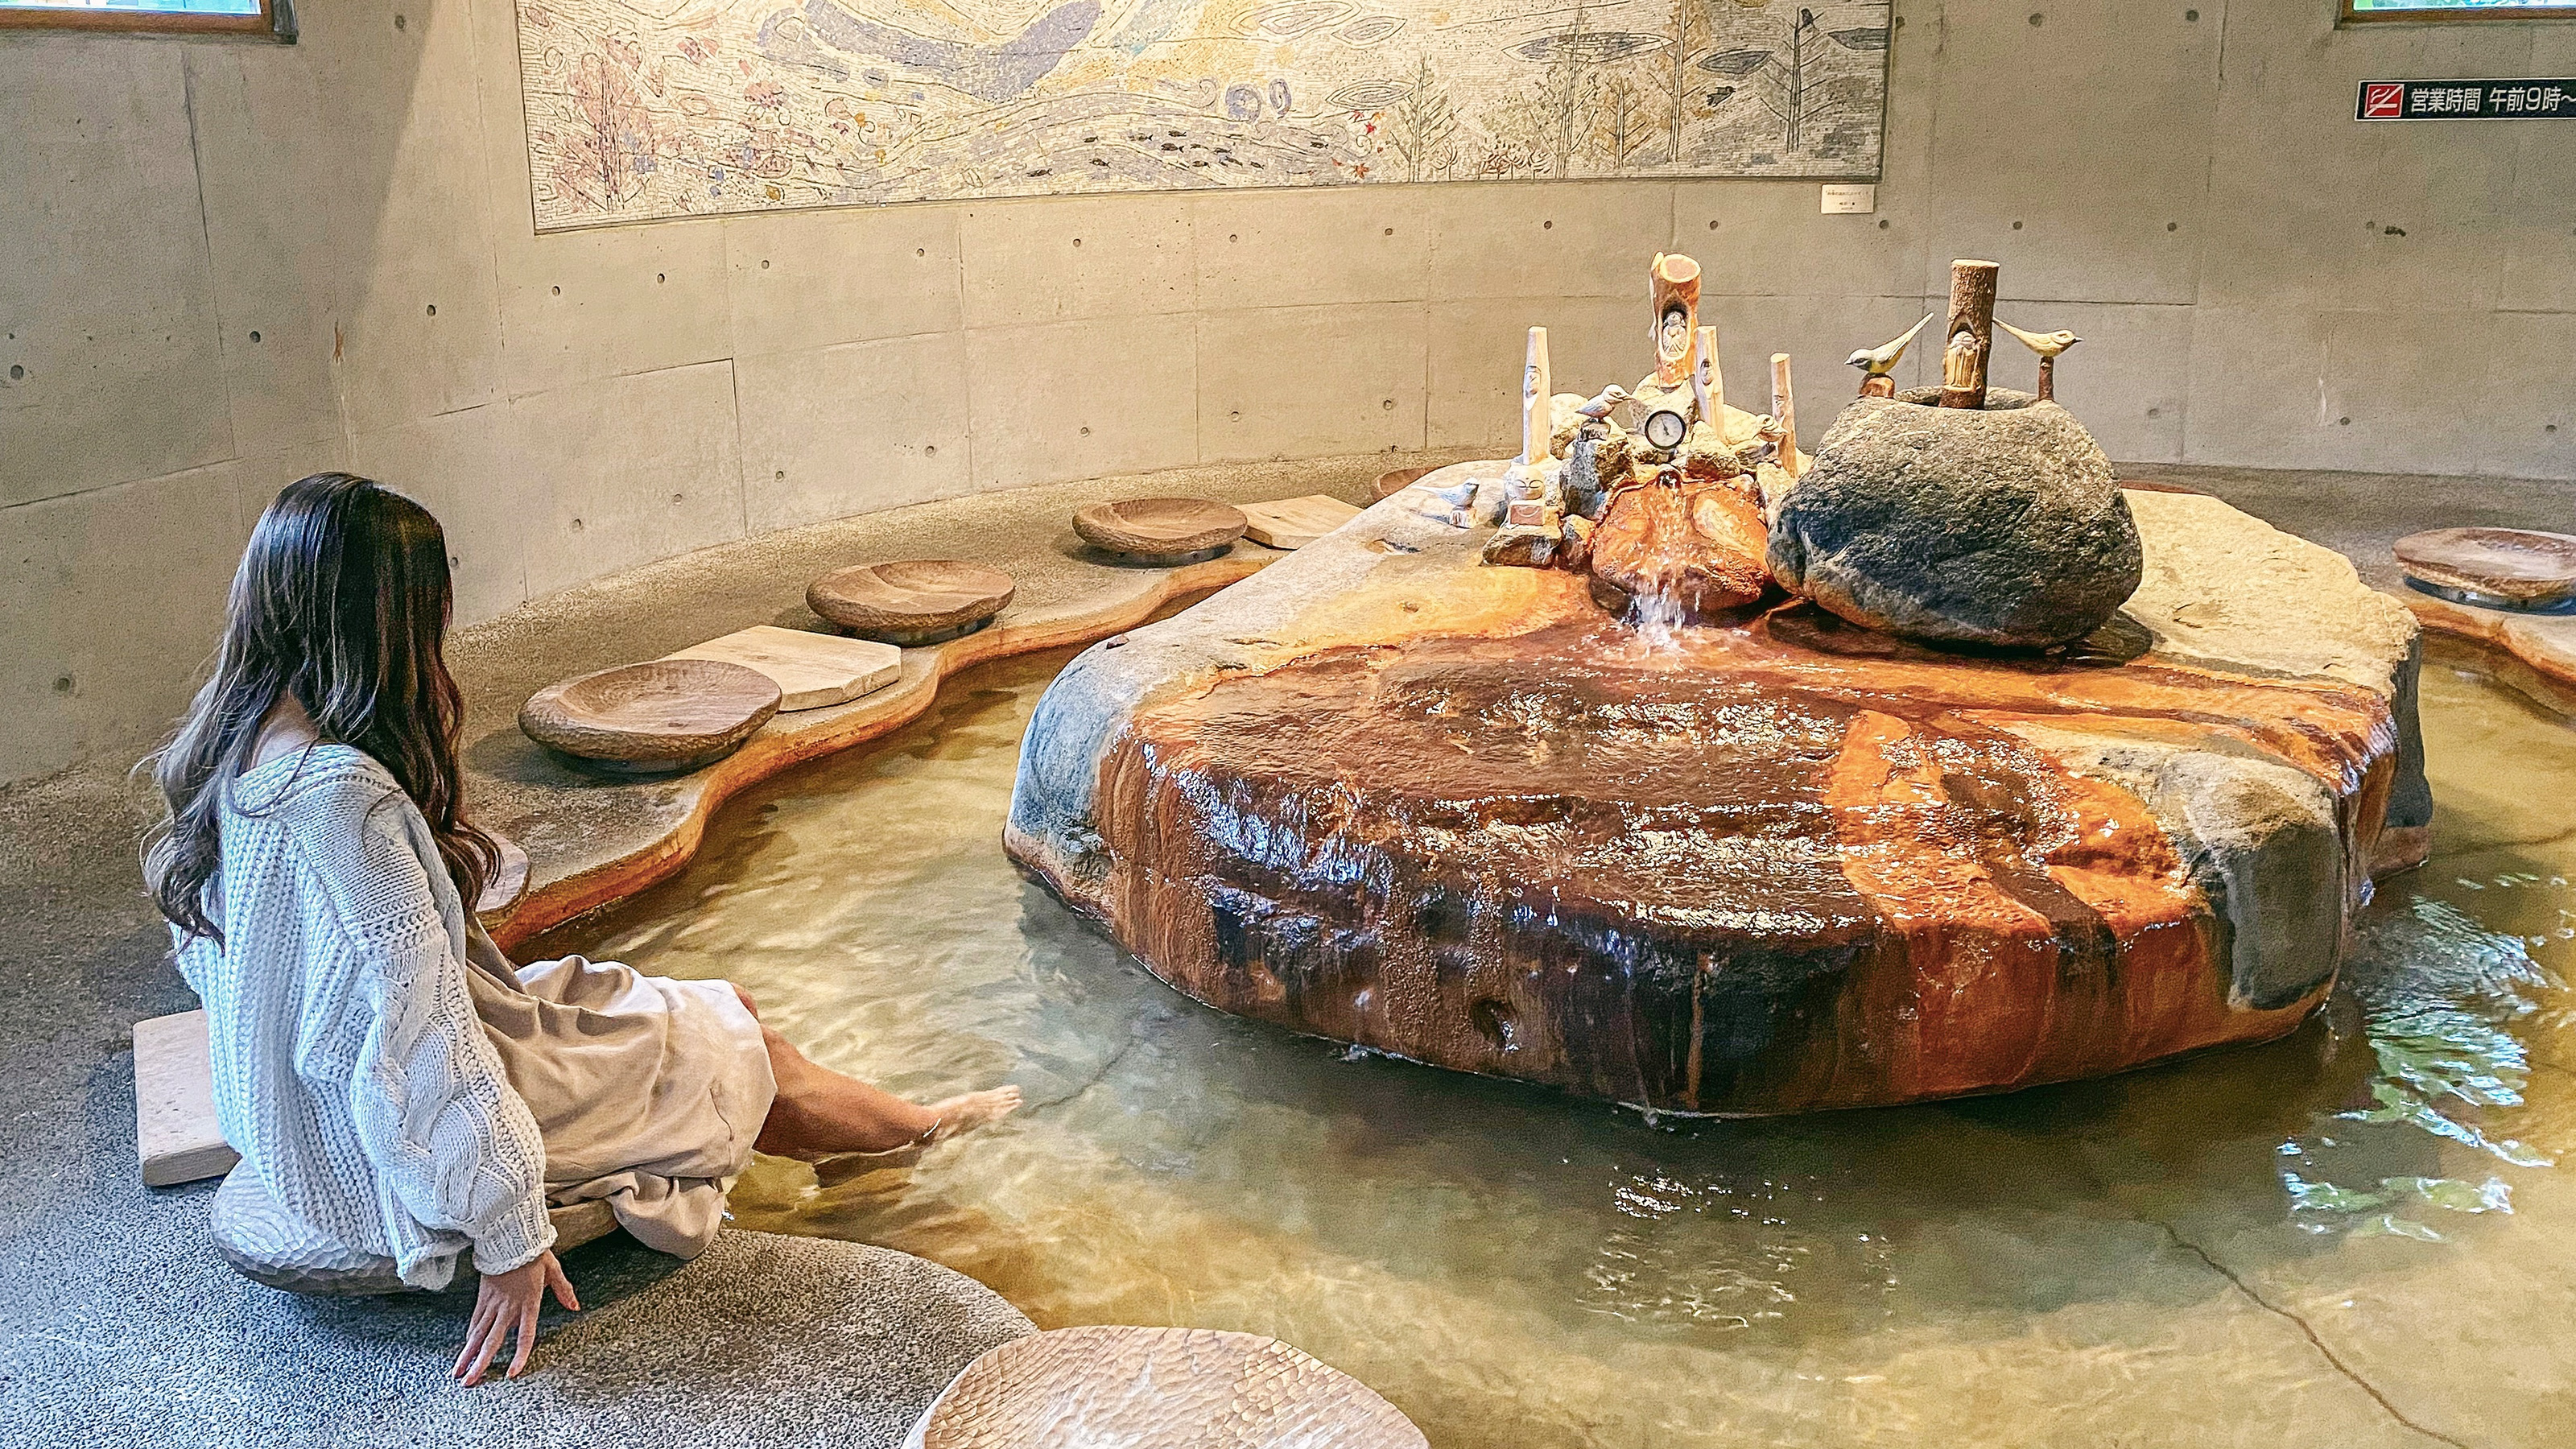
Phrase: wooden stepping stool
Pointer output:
(658, 718)
(1293, 523)
(912, 602)
(1161, 531)
(2496, 568)
(811, 670)
(1158, 1388)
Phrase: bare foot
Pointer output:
(973, 1110)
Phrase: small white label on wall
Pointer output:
(1850, 200)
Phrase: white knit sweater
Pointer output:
(350, 1070)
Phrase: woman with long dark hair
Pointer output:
(401, 1094)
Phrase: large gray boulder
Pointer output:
(1998, 526)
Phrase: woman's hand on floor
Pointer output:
(507, 1302)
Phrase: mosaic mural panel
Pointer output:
(649, 109)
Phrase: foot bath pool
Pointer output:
(2351, 1236)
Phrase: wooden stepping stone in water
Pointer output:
(1158, 1388)
(1295, 522)
(656, 718)
(911, 601)
(2512, 568)
(810, 669)
(1161, 530)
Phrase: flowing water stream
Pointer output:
(2353, 1236)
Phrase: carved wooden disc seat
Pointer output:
(668, 715)
(1158, 1388)
(1161, 530)
(2517, 568)
(911, 601)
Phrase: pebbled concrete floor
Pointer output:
(118, 1326)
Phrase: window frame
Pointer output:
(2346, 15)
(275, 20)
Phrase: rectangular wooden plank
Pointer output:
(1295, 522)
(812, 669)
(175, 1135)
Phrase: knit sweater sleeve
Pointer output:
(448, 1138)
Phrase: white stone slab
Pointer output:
(175, 1135)
(1295, 522)
(812, 670)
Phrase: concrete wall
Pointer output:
(226, 264)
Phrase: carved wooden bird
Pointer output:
(1876, 363)
(1604, 403)
(2047, 345)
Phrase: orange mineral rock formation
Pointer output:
(1695, 549)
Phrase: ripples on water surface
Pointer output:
(2341, 1238)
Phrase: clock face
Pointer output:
(1666, 428)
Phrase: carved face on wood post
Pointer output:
(1959, 363)
(1672, 337)
(1675, 288)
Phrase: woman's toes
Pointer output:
(975, 1109)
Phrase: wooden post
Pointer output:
(1675, 287)
(1708, 383)
(2048, 377)
(1784, 407)
(1970, 338)
(1537, 426)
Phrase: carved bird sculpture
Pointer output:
(1877, 362)
(2047, 345)
(1603, 403)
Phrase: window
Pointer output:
(240, 17)
(2367, 11)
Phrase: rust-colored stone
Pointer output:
(1762, 877)
(1458, 814)
(1701, 547)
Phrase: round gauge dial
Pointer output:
(1666, 428)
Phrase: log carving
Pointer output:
(1970, 336)
(1674, 283)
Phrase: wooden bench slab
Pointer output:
(812, 670)
(1295, 522)
(175, 1135)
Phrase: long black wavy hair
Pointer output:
(342, 601)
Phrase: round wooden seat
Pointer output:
(2514, 568)
(1161, 530)
(1158, 1388)
(911, 601)
(1396, 480)
(668, 715)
